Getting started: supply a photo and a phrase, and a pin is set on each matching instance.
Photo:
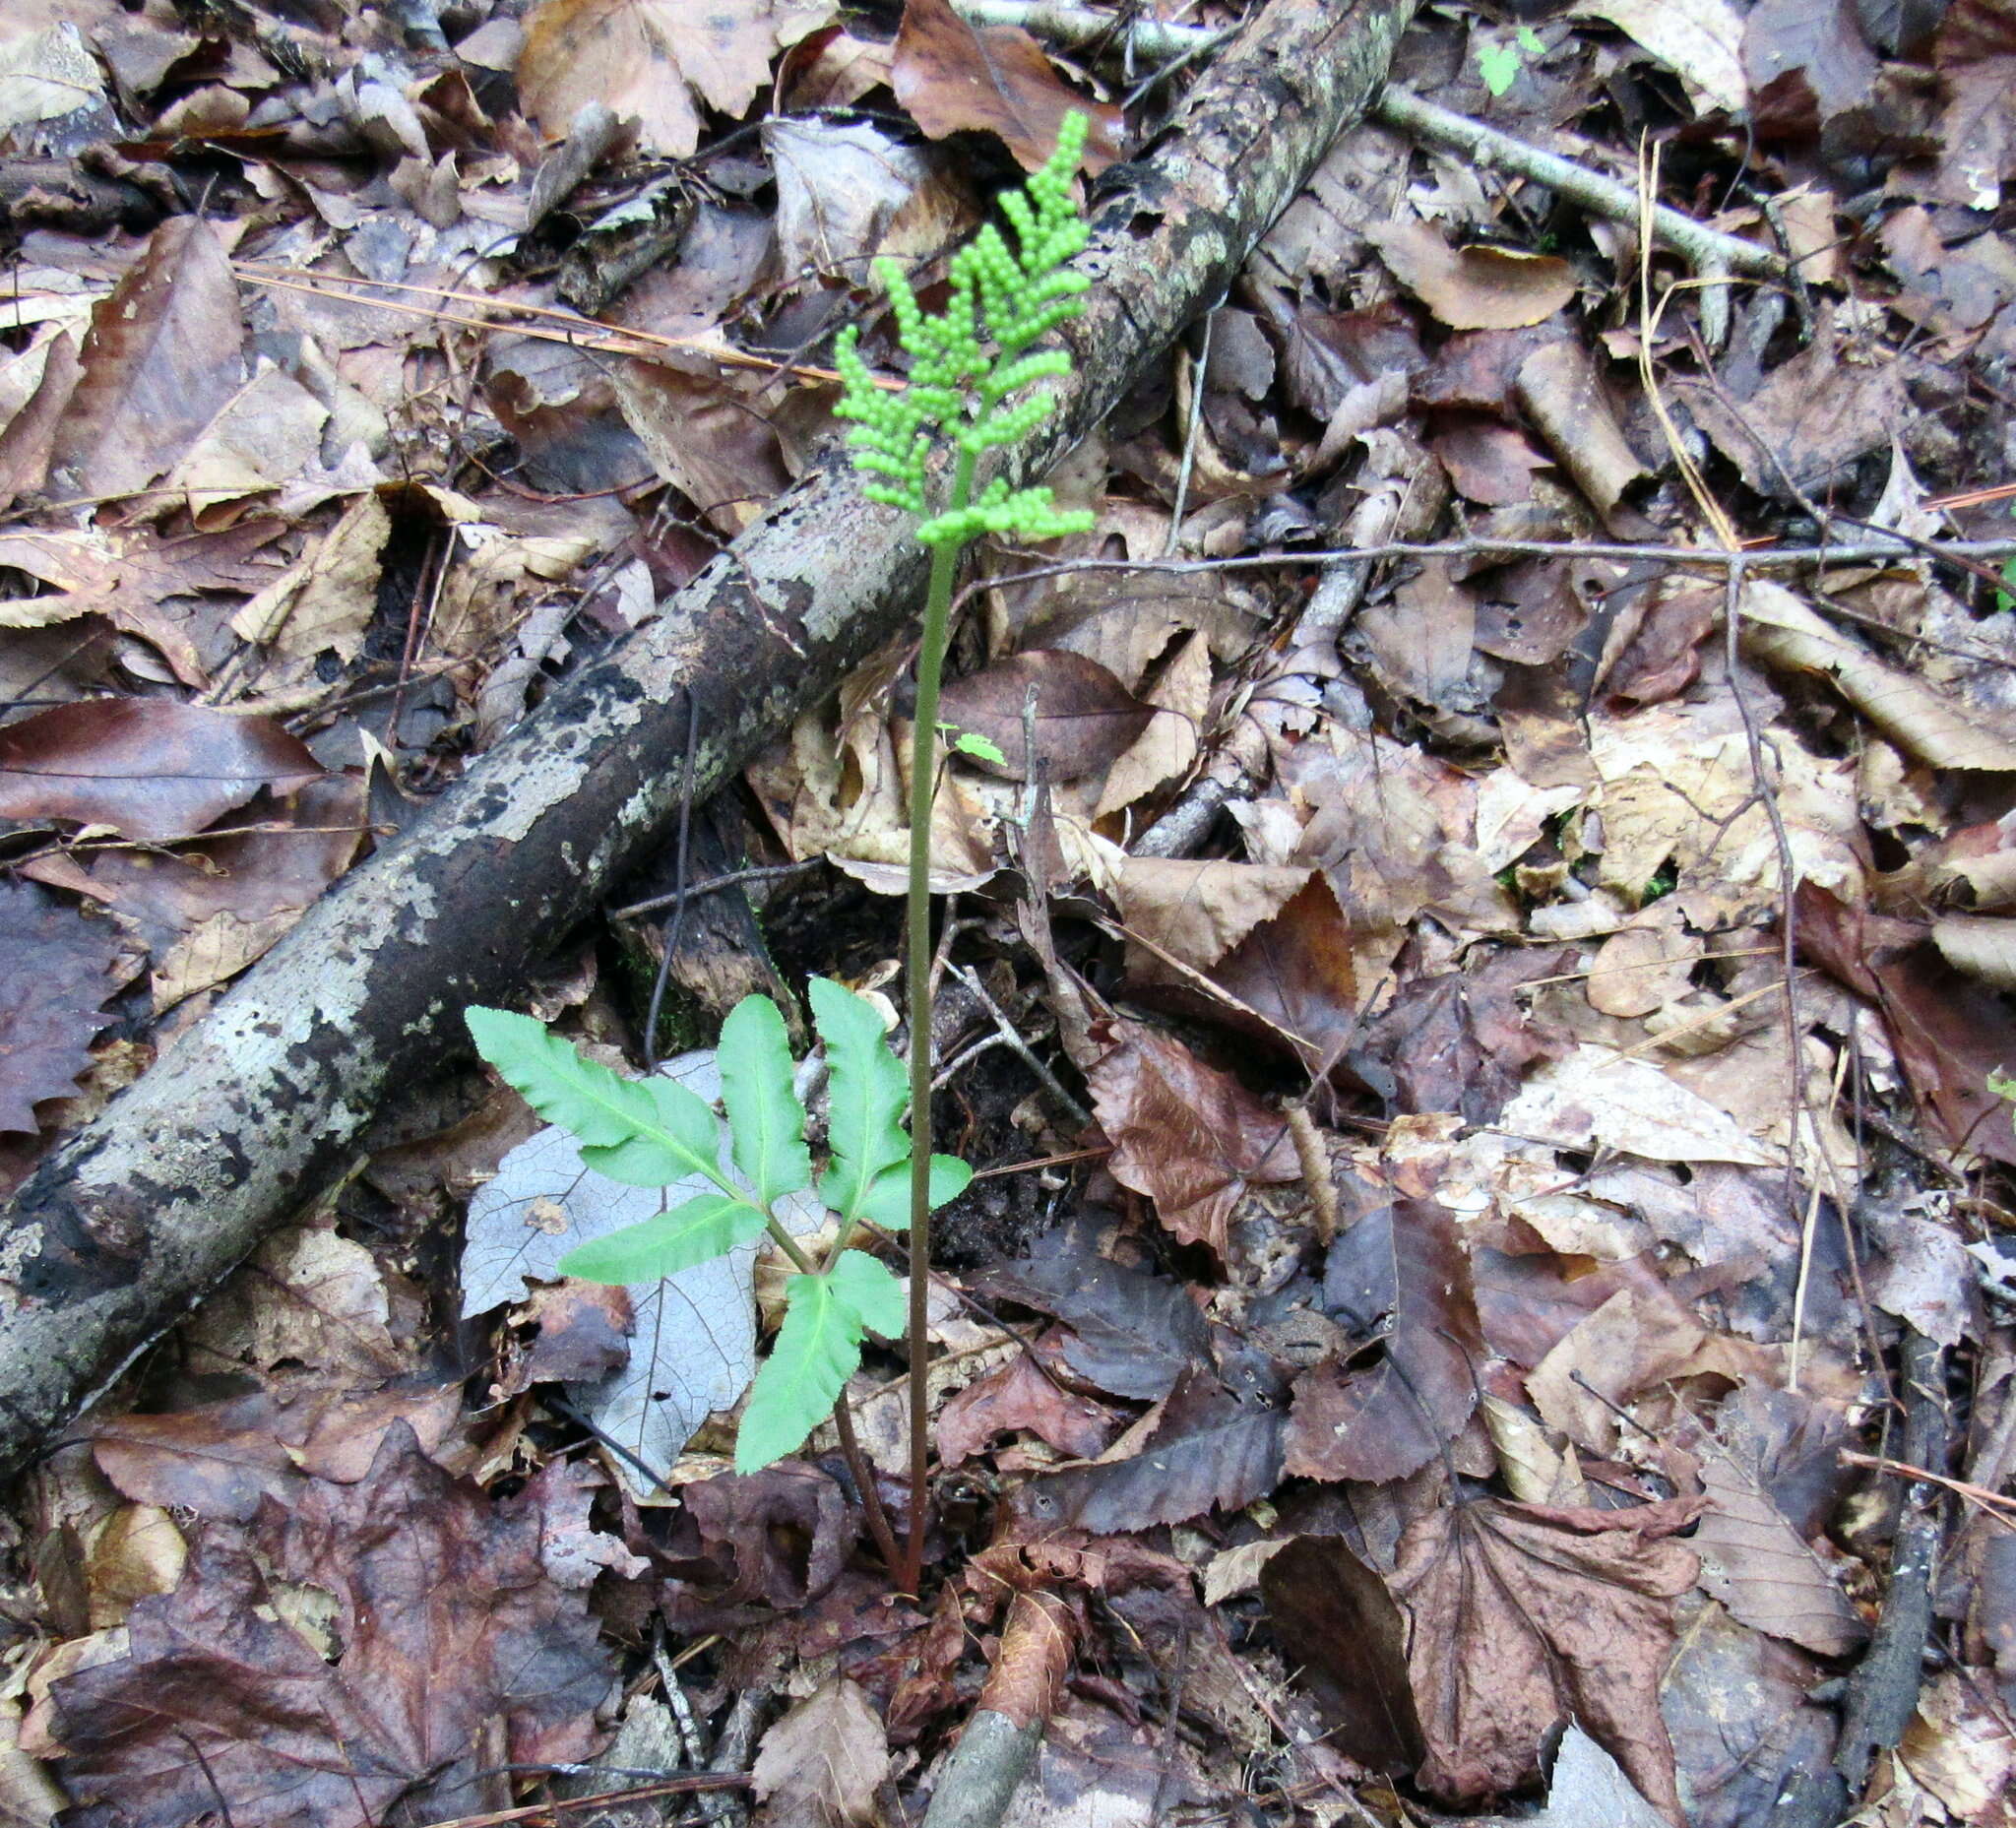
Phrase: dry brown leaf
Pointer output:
(1641, 1337)
(1016, 1397)
(1558, 388)
(164, 356)
(1474, 287)
(213, 952)
(1757, 1565)
(1815, 417)
(136, 1553)
(1975, 50)
(1520, 1618)
(651, 60)
(1978, 945)
(953, 77)
(1700, 40)
(264, 436)
(326, 601)
(308, 1297)
(706, 438)
(1598, 1096)
(1646, 967)
(1196, 911)
(823, 1760)
(1181, 699)
(1191, 1138)
(1961, 1749)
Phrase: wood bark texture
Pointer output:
(261, 1103)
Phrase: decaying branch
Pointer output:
(264, 1102)
(1000, 1738)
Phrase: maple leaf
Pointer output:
(652, 58)
(1521, 1616)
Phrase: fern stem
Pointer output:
(917, 961)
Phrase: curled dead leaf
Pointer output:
(1474, 287)
(1781, 629)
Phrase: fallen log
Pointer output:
(261, 1103)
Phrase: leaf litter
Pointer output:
(1430, 1277)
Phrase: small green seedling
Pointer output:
(654, 1132)
(1499, 64)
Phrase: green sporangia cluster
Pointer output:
(967, 360)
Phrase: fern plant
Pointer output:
(974, 386)
(654, 1132)
(973, 366)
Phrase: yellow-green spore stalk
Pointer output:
(972, 365)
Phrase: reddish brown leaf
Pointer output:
(1016, 1397)
(149, 766)
(220, 1460)
(450, 1623)
(165, 351)
(1401, 1263)
(1489, 462)
(783, 1532)
(1335, 1619)
(1191, 1138)
(1948, 1035)
(1085, 718)
(1520, 1618)
(1662, 656)
(53, 965)
(1297, 971)
(1218, 1443)
(954, 77)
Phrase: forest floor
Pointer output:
(1475, 991)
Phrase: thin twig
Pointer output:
(1712, 254)
(1080, 25)
(1479, 545)
(1190, 434)
(1991, 1504)
(1065, 1102)
(864, 1474)
(699, 1782)
(679, 919)
(734, 878)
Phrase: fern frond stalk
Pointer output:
(971, 366)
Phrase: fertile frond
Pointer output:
(968, 358)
